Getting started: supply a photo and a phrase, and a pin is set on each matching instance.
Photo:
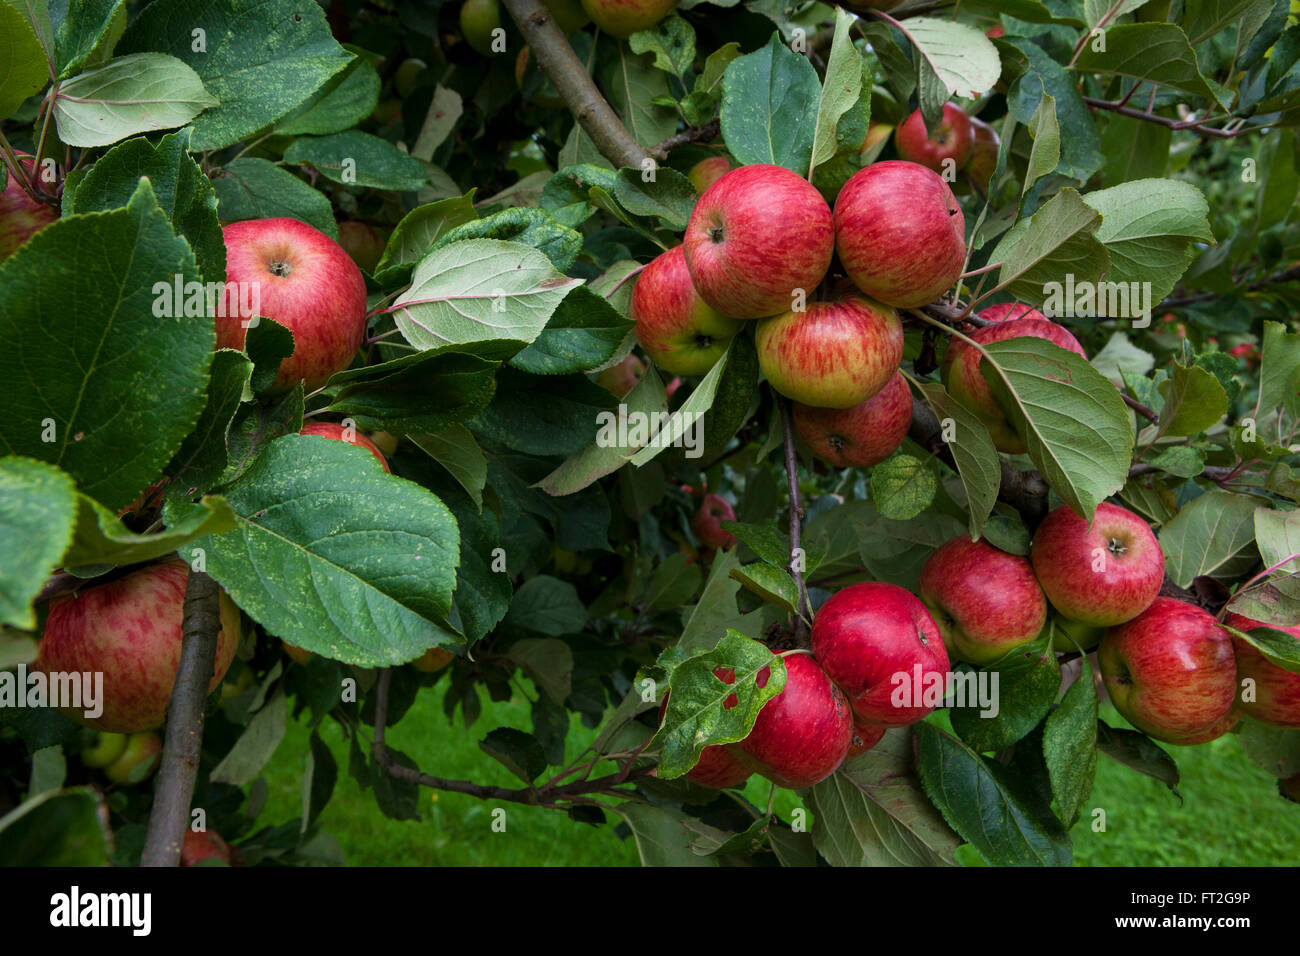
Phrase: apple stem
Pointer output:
(803, 608)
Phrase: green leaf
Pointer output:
(57, 828)
(1045, 155)
(23, 68)
(669, 196)
(1275, 749)
(1279, 382)
(973, 451)
(980, 806)
(89, 365)
(251, 188)
(1276, 600)
(456, 450)
(662, 838)
(547, 605)
(38, 509)
(1278, 646)
(1202, 19)
(1182, 461)
(634, 85)
(1194, 401)
(545, 415)
(1148, 52)
(873, 812)
(101, 538)
(672, 42)
(584, 333)
(1040, 75)
(548, 662)
(1070, 745)
(1028, 679)
(483, 589)
(771, 584)
(673, 584)
(902, 486)
(355, 158)
(733, 399)
(567, 195)
(961, 57)
(1120, 355)
(256, 425)
(1138, 752)
(85, 32)
(417, 233)
(261, 60)
(1071, 418)
(255, 746)
(769, 107)
(841, 89)
(1206, 533)
(334, 556)
(518, 752)
(128, 95)
(1059, 239)
(699, 402)
(347, 98)
(205, 454)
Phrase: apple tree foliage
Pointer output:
(1141, 142)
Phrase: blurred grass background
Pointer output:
(1230, 814)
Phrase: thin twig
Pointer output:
(804, 608)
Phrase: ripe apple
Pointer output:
(104, 749)
(717, 768)
(863, 435)
(298, 655)
(361, 243)
(985, 601)
(983, 155)
(21, 216)
(1170, 671)
(1099, 576)
(139, 759)
(801, 735)
(835, 354)
(680, 332)
(962, 377)
(881, 646)
(433, 660)
(622, 18)
(707, 523)
(1277, 690)
(129, 629)
(900, 233)
(350, 435)
(478, 19)
(622, 378)
(200, 845)
(865, 736)
(947, 150)
(306, 283)
(757, 237)
(708, 171)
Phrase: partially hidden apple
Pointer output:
(1276, 691)
(478, 20)
(863, 435)
(1171, 672)
(433, 660)
(946, 150)
(200, 845)
(139, 759)
(759, 240)
(707, 172)
(1290, 788)
(802, 735)
(129, 629)
(983, 161)
(1068, 635)
(986, 601)
(964, 380)
(1101, 575)
(337, 432)
(834, 354)
(307, 283)
(880, 645)
(362, 244)
(620, 379)
(1006, 311)
(21, 216)
(299, 655)
(680, 332)
(900, 233)
(622, 18)
(707, 523)
(865, 736)
(717, 768)
(104, 749)
(568, 15)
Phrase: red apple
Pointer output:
(139, 759)
(962, 377)
(21, 216)
(708, 171)
(129, 630)
(900, 233)
(995, 32)
(834, 354)
(756, 238)
(680, 332)
(622, 18)
(863, 435)
(200, 845)
(621, 378)
(801, 735)
(983, 161)
(865, 736)
(305, 282)
(361, 243)
(350, 435)
(1099, 576)
(985, 601)
(881, 646)
(1170, 671)
(946, 151)
(1277, 690)
(707, 523)
(717, 768)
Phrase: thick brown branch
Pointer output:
(183, 738)
(562, 67)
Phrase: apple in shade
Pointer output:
(1276, 690)
(900, 233)
(104, 749)
(621, 378)
(865, 736)
(1171, 672)
(433, 660)
(21, 216)
(680, 332)
(139, 759)
(337, 432)
(361, 243)
(983, 161)
(307, 283)
(708, 171)
(717, 767)
(129, 629)
(985, 600)
(299, 655)
(1101, 575)
(1290, 788)
(756, 238)
(622, 18)
(947, 148)
(568, 15)
(834, 354)
(200, 845)
(478, 20)
(880, 645)
(863, 435)
(802, 735)
(707, 523)
(1068, 635)
(965, 382)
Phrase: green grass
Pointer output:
(1230, 814)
